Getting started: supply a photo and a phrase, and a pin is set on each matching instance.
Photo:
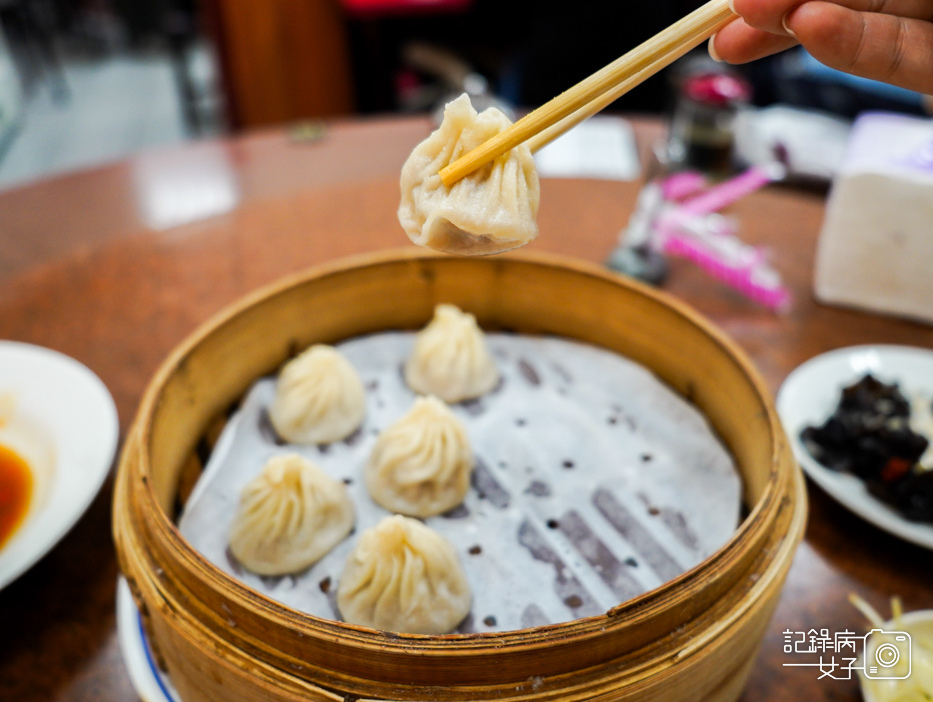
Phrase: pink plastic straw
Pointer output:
(726, 193)
(681, 185)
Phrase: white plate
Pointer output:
(61, 418)
(149, 682)
(810, 394)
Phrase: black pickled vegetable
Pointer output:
(869, 435)
(914, 496)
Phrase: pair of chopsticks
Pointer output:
(592, 94)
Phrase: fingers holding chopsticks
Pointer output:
(887, 40)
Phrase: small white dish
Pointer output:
(919, 626)
(810, 394)
(149, 682)
(60, 417)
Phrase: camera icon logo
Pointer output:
(887, 655)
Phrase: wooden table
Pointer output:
(86, 269)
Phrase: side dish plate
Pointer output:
(69, 414)
(811, 392)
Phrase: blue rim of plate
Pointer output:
(825, 375)
(150, 683)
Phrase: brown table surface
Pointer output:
(84, 269)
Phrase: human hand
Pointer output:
(886, 40)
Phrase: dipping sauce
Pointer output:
(15, 492)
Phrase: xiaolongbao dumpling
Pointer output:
(319, 398)
(491, 210)
(405, 577)
(289, 517)
(421, 465)
(450, 358)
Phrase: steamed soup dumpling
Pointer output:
(491, 210)
(289, 517)
(404, 577)
(319, 398)
(421, 465)
(450, 358)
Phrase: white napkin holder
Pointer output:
(876, 247)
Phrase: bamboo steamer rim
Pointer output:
(638, 679)
(364, 638)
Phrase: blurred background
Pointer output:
(84, 82)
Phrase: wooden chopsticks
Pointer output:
(594, 93)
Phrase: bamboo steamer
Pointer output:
(694, 637)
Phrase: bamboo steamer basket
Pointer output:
(692, 638)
